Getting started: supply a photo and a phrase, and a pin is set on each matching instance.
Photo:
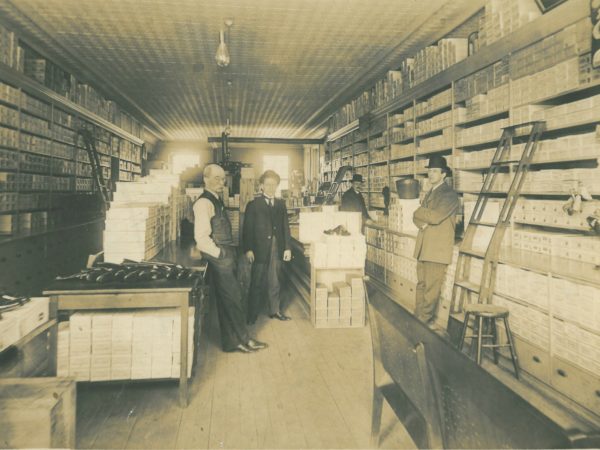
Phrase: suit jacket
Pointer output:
(438, 209)
(261, 223)
(354, 202)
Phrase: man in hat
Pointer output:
(435, 239)
(352, 200)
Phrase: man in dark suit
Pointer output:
(266, 241)
(353, 201)
(433, 249)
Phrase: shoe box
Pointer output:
(21, 321)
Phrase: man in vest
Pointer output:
(212, 232)
(266, 244)
(435, 240)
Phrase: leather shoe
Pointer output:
(241, 348)
(254, 345)
(280, 316)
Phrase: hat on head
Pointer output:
(357, 177)
(437, 162)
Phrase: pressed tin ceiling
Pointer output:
(293, 62)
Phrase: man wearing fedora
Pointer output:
(435, 219)
(352, 200)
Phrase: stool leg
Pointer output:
(463, 333)
(495, 340)
(479, 338)
(513, 352)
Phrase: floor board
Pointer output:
(310, 389)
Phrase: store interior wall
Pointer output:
(254, 154)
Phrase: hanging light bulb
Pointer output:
(222, 56)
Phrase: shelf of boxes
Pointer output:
(485, 102)
(37, 136)
(436, 144)
(435, 104)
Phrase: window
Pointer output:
(279, 164)
(182, 161)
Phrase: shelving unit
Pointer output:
(45, 174)
(459, 113)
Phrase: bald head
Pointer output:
(214, 178)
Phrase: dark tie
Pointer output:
(270, 201)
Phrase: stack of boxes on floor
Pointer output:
(144, 217)
(343, 307)
(337, 265)
(123, 345)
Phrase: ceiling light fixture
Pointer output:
(222, 56)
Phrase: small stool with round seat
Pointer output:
(485, 316)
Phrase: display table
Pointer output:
(78, 296)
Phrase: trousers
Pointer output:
(265, 280)
(232, 320)
(430, 277)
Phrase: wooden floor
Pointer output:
(310, 389)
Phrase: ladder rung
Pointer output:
(505, 162)
(485, 224)
(472, 253)
(468, 285)
(492, 193)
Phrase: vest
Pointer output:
(219, 223)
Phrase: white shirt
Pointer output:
(204, 210)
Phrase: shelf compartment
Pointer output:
(437, 150)
(434, 111)
(483, 118)
(554, 265)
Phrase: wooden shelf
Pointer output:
(433, 112)
(559, 95)
(549, 23)
(482, 144)
(36, 115)
(482, 118)
(11, 76)
(439, 150)
(343, 131)
(568, 269)
(435, 131)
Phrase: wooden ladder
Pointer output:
(90, 146)
(463, 289)
(335, 184)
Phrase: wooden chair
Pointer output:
(407, 383)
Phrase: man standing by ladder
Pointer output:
(435, 240)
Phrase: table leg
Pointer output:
(53, 337)
(183, 378)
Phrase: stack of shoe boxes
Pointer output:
(340, 305)
(122, 338)
(101, 347)
(144, 344)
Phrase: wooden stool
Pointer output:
(486, 315)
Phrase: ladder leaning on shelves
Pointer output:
(90, 146)
(335, 184)
(462, 287)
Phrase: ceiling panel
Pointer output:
(293, 62)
